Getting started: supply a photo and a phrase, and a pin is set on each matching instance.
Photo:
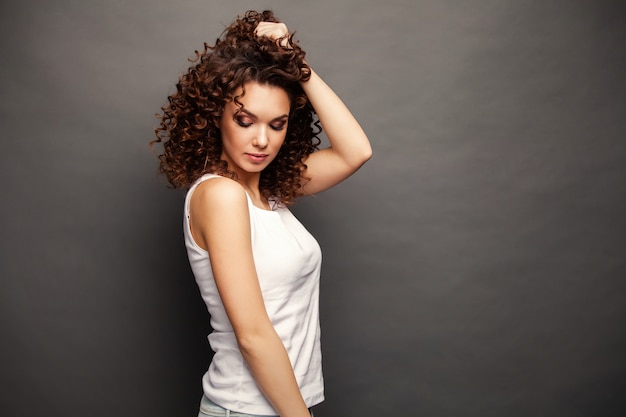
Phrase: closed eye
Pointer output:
(279, 123)
(243, 121)
(278, 126)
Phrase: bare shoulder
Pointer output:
(218, 194)
(217, 208)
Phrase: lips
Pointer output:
(257, 157)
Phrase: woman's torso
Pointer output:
(287, 260)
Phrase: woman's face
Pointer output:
(253, 135)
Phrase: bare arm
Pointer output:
(220, 221)
(349, 146)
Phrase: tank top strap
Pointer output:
(202, 179)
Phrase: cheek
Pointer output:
(280, 141)
(228, 135)
(285, 135)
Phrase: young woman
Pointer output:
(240, 133)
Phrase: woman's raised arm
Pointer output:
(349, 146)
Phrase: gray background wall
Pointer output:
(475, 267)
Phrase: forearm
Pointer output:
(347, 138)
(269, 363)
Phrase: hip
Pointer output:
(209, 409)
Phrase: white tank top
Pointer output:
(288, 260)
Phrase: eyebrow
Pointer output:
(254, 116)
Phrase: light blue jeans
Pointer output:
(210, 409)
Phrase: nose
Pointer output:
(261, 140)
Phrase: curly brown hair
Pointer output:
(189, 123)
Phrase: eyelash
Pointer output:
(243, 124)
(278, 128)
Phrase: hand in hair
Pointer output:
(275, 31)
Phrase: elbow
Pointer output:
(247, 343)
(357, 160)
(251, 342)
(365, 155)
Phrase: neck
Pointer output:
(252, 188)
(250, 182)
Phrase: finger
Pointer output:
(272, 30)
